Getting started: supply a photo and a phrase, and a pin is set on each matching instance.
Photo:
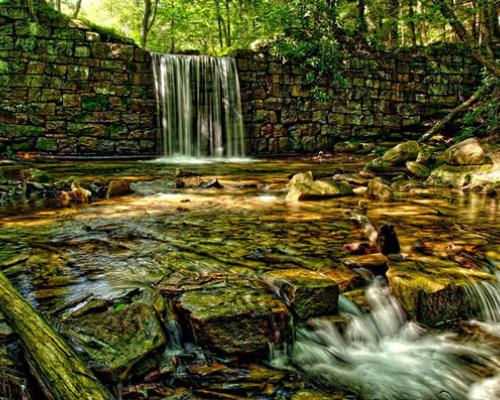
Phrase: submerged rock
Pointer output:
(302, 186)
(378, 190)
(234, 320)
(418, 170)
(435, 292)
(116, 340)
(119, 187)
(406, 151)
(467, 152)
(309, 293)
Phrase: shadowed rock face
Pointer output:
(433, 291)
(308, 293)
(234, 320)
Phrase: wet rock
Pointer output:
(406, 151)
(346, 278)
(376, 263)
(378, 165)
(467, 152)
(467, 175)
(425, 156)
(181, 173)
(387, 240)
(433, 291)
(36, 175)
(116, 340)
(309, 293)
(360, 248)
(378, 190)
(119, 187)
(302, 186)
(234, 320)
(418, 170)
(212, 184)
(354, 179)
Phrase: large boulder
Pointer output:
(435, 292)
(466, 175)
(467, 152)
(309, 293)
(302, 186)
(234, 320)
(406, 151)
(115, 339)
(378, 190)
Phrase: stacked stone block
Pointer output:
(69, 89)
(383, 96)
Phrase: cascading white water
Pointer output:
(383, 356)
(199, 106)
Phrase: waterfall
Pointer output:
(199, 106)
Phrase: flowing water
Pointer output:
(59, 259)
(199, 106)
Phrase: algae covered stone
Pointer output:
(435, 292)
(406, 151)
(418, 170)
(234, 320)
(378, 190)
(309, 293)
(302, 186)
(115, 340)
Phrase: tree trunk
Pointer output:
(413, 29)
(487, 61)
(393, 31)
(148, 20)
(453, 113)
(362, 23)
(78, 6)
(228, 22)
(60, 372)
(219, 22)
(58, 5)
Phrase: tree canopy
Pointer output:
(219, 26)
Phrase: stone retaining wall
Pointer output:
(69, 89)
(384, 96)
(74, 90)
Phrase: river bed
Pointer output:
(185, 240)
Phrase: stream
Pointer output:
(211, 253)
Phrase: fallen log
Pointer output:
(59, 371)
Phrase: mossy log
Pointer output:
(60, 372)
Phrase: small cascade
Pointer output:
(199, 106)
(382, 355)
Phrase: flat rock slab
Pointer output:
(309, 293)
(376, 262)
(115, 340)
(435, 292)
(234, 320)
